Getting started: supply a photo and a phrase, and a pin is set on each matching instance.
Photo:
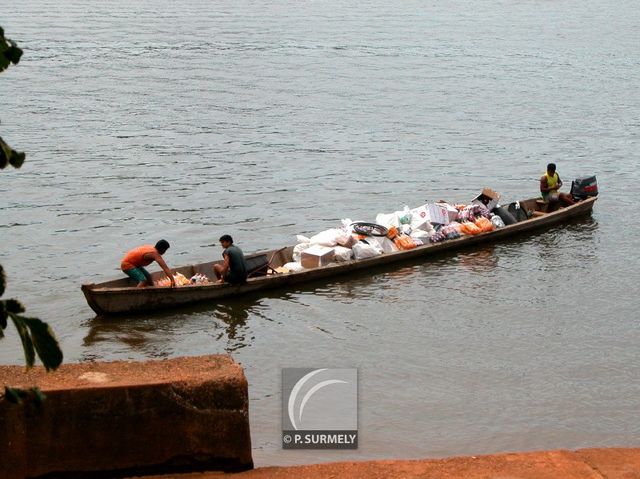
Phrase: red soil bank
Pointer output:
(581, 464)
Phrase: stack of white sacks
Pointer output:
(341, 244)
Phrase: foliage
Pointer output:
(18, 395)
(9, 53)
(36, 336)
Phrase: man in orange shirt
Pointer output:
(135, 260)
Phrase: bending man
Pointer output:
(550, 184)
(234, 268)
(135, 260)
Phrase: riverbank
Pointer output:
(110, 419)
(610, 463)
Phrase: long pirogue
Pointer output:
(121, 296)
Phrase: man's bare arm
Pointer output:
(225, 266)
(544, 186)
(158, 258)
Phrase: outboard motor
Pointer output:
(584, 187)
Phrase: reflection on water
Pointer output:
(155, 336)
(481, 261)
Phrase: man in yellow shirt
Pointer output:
(550, 184)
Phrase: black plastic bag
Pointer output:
(503, 213)
(518, 212)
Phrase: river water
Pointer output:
(187, 120)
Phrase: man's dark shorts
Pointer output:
(232, 279)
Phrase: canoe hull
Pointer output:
(116, 297)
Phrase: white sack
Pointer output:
(342, 253)
(363, 250)
(422, 234)
(346, 225)
(404, 216)
(294, 266)
(384, 244)
(329, 237)
(388, 220)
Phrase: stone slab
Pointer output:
(119, 418)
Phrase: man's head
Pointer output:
(162, 246)
(551, 168)
(226, 241)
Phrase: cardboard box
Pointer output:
(317, 256)
(451, 211)
(438, 214)
(488, 198)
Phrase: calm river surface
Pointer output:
(186, 120)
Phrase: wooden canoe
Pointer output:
(121, 296)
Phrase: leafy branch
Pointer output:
(10, 53)
(18, 395)
(36, 336)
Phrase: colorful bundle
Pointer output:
(179, 278)
(438, 237)
(199, 278)
(404, 242)
(451, 231)
(484, 224)
(470, 228)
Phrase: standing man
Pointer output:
(234, 268)
(550, 184)
(135, 260)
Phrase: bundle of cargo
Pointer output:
(469, 219)
(182, 280)
(179, 278)
(398, 231)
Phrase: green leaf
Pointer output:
(13, 306)
(45, 343)
(17, 159)
(3, 317)
(14, 52)
(9, 52)
(3, 281)
(4, 154)
(10, 156)
(38, 396)
(14, 395)
(27, 344)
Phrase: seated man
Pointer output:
(234, 268)
(134, 261)
(550, 183)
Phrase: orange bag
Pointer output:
(404, 242)
(469, 228)
(393, 232)
(484, 224)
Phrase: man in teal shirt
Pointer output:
(234, 268)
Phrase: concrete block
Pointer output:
(125, 418)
